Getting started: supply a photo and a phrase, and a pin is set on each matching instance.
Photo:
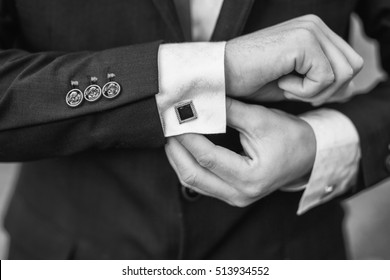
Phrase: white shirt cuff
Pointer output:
(337, 159)
(192, 73)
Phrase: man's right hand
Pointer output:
(325, 63)
(278, 149)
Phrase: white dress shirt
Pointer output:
(195, 72)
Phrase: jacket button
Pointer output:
(387, 163)
(189, 195)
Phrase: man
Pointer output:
(103, 187)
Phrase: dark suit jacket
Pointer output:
(96, 182)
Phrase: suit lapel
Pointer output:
(230, 23)
(168, 13)
(232, 19)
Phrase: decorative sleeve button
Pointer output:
(93, 92)
(74, 97)
(111, 89)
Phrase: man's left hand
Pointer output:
(278, 149)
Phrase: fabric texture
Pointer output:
(337, 158)
(102, 187)
(192, 73)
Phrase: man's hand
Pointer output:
(278, 149)
(306, 58)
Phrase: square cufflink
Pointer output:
(185, 111)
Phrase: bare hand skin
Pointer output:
(305, 45)
(278, 149)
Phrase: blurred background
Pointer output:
(367, 226)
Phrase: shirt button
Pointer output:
(387, 163)
(329, 189)
(189, 194)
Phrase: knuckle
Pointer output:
(305, 33)
(345, 75)
(207, 161)
(305, 37)
(358, 65)
(349, 73)
(328, 78)
(240, 202)
(251, 193)
(246, 196)
(314, 18)
(312, 25)
(189, 180)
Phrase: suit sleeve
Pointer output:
(36, 122)
(370, 113)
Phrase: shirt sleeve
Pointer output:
(337, 160)
(191, 96)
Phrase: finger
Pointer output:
(192, 175)
(238, 115)
(170, 157)
(344, 94)
(354, 59)
(317, 73)
(224, 163)
(247, 119)
(341, 68)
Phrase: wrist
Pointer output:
(244, 69)
(308, 139)
(230, 75)
(236, 82)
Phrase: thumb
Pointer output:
(244, 118)
(239, 115)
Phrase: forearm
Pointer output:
(33, 87)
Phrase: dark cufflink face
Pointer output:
(111, 89)
(185, 111)
(74, 97)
